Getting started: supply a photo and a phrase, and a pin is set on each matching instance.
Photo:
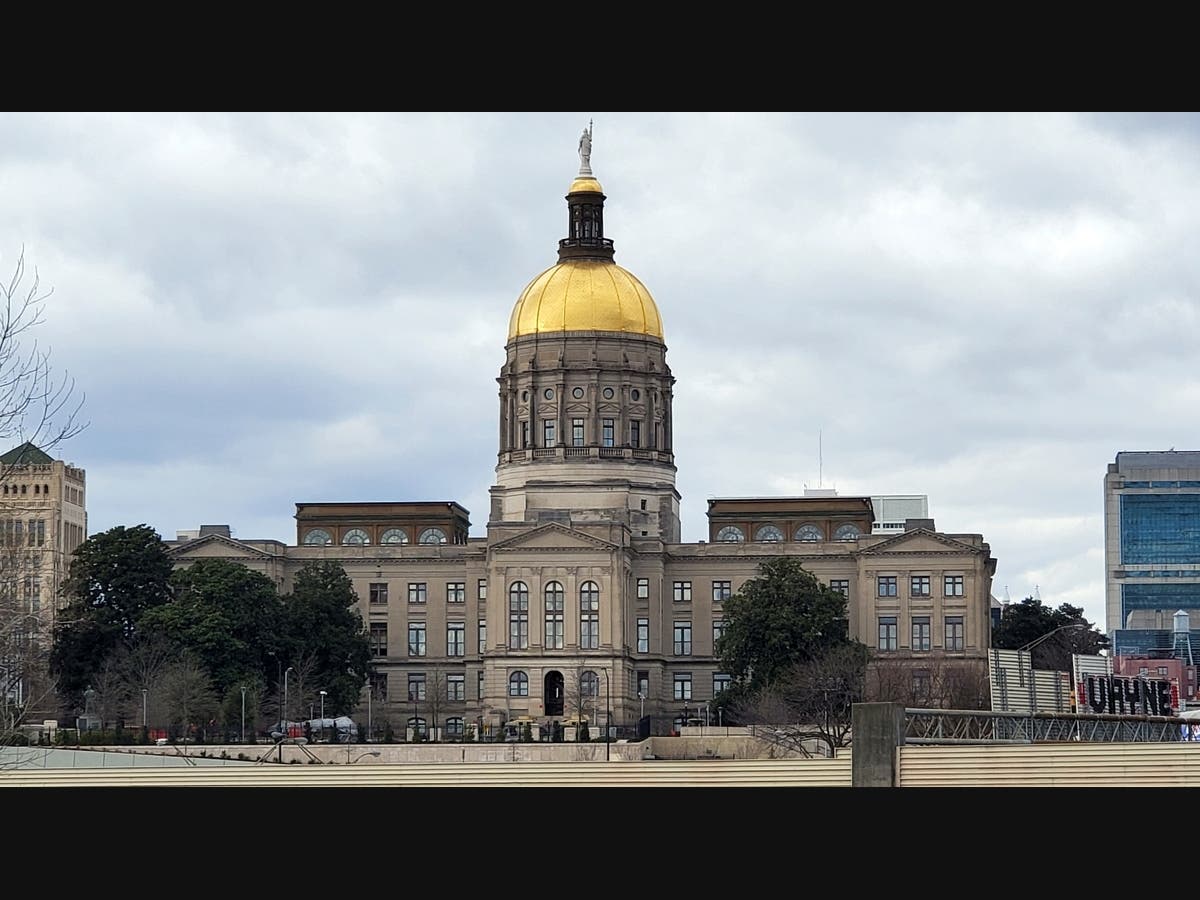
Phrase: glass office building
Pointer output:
(1151, 548)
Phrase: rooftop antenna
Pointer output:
(1037, 594)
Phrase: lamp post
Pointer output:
(144, 692)
(1050, 634)
(243, 714)
(285, 700)
(1029, 647)
(322, 693)
(370, 691)
(642, 699)
(607, 716)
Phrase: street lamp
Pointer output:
(144, 691)
(322, 693)
(1050, 634)
(349, 761)
(607, 716)
(642, 698)
(243, 714)
(285, 700)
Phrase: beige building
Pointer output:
(581, 596)
(43, 518)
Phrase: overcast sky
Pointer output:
(272, 309)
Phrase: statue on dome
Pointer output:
(585, 149)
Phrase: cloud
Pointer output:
(271, 309)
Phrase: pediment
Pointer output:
(216, 546)
(918, 541)
(553, 536)
(578, 408)
(548, 410)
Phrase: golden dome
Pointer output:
(585, 295)
(585, 183)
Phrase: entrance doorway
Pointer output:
(552, 691)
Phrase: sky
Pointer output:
(266, 309)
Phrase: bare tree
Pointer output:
(25, 630)
(188, 696)
(40, 407)
(36, 404)
(930, 683)
(808, 708)
(435, 698)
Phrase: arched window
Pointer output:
(809, 533)
(417, 724)
(454, 727)
(318, 536)
(589, 615)
(518, 685)
(768, 534)
(356, 536)
(589, 684)
(731, 533)
(847, 532)
(394, 536)
(432, 536)
(554, 616)
(518, 616)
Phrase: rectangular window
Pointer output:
(722, 590)
(379, 639)
(720, 683)
(921, 634)
(683, 592)
(589, 630)
(887, 632)
(481, 628)
(481, 589)
(416, 687)
(577, 432)
(379, 685)
(887, 585)
(416, 592)
(643, 588)
(635, 433)
(918, 586)
(555, 630)
(841, 585)
(456, 592)
(683, 686)
(479, 683)
(920, 686)
(643, 684)
(718, 630)
(416, 638)
(1162, 671)
(518, 629)
(606, 432)
(547, 432)
(456, 688)
(643, 635)
(379, 594)
(524, 435)
(954, 585)
(456, 638)
(954, 632)
(683, 638)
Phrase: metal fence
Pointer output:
(942, 726)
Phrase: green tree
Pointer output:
(779, 618)
(322, 622)
(223, 614)
(1069, 633)
(115, 578)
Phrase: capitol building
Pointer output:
(581, 595)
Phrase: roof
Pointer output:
(26, 454)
